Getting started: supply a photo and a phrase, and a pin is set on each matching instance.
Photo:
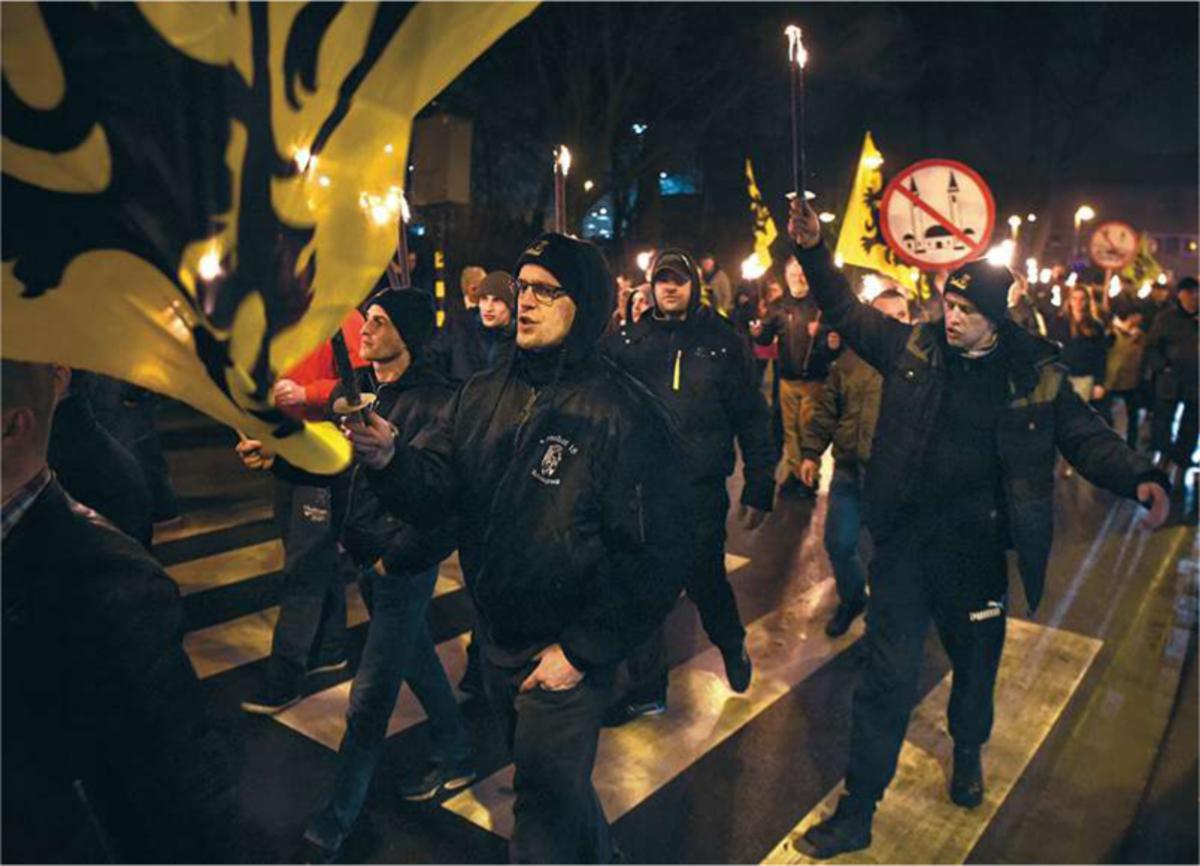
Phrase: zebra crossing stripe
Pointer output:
(916, 822)
(227, 568)
(322, 716)
(636, 760)
(247, 639)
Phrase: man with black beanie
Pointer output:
(697, 365)
(961, 468)
(399, 565)
(564, 475)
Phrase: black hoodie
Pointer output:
(565, 477)
(371, 532)
(703, 372)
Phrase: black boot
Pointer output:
(847, 829)
(966, 785)
(738, 669)
(842, 618)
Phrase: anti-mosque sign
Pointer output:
(937, 214)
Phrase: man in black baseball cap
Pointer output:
(698, 366)
(961, 468)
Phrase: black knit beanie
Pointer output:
(985, 285)
(412, 314)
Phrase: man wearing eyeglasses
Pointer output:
(564, 476)
(693, 360)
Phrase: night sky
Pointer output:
(1037, 97)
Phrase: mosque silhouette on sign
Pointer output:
(922, 238)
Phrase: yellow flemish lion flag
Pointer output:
(764, 224)
(197, 194)
(861, 241)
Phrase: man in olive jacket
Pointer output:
(564, 474)
(962, 467)
(846, 415)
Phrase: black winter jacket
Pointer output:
(567, 486)
(788, 318)
(1172, 353)
(465, 347)
(702, 370)
(104, 723)
(1043, 413)
(371, 532)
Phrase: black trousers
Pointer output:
(955, 576)
(1180, 447)
(311, 629)
(553, 736)
(707, 586)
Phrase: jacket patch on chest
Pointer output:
(557, 450)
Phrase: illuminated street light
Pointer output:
(1031, 218)
(588, 186)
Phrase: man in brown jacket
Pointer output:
(845, 415)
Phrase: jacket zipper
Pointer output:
(678, 359)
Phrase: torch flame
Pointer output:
(796, 52)
(564, 159)
(753, 268)
(209, 266)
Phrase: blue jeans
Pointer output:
(842, 523)
(399, 649)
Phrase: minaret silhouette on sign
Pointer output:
(913, 240)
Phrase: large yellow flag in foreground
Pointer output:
(861, 242)
(764, 224)
(196, 194)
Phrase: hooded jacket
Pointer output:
(703, 372)
(565, 476)
(1042, 415)
(371, 532)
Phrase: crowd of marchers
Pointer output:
(571, 434)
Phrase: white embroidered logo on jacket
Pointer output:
(557, 449)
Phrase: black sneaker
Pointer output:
(738, 669)
(271, 700)
(626, 711)
(843, 617)
(335, 664)
(438, 779)
(310, 851)
(966, 785)
(792, 486)
(847, 829)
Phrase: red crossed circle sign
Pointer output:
(937, 214)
